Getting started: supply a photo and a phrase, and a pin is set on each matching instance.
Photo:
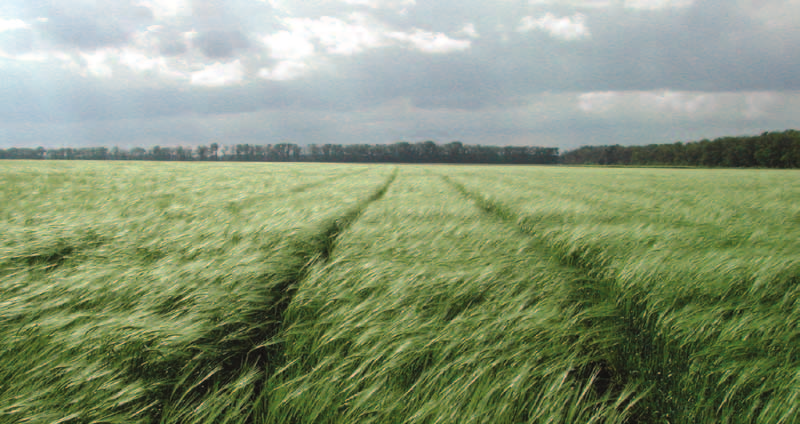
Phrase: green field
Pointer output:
(297, 293)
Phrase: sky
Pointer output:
(556, 73)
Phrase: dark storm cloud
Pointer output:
(451, 15)
(47, 94)
(171, 43)
(455, 80)
(224, 27)
(221, 44)
(87, 25)
(82, 32)
(710, 46)
(318, 126)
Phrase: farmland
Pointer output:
(211, 292)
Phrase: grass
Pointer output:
(174, 293)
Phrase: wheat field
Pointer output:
(298, 293)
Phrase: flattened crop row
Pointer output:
(184, 335)
(683, 339)
(431, 312)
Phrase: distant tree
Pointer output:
(168, 153)
(768, 150)
(180, 153)
(214, 149)
(453, 152)
(426, 151)
(138, 153)
(402, 152)
(202, 152)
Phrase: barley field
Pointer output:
(137, 292)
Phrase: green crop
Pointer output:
(218, 292)
(153, 292)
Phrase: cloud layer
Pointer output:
(559, 73)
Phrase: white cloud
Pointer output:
(469, 30)
(585, 4)
(278, 5)
(142, 55)
(597, 102)
(656, 102)
(289, 45)
(377, 4)
(25, 57)
(337, 36)
(142, 63)
(12, 24)
(774, 15)
(167, 8)
(600, 4)
(678, 102)
(429, 42)
(656, 4)
(668, 104)
(145, 40)
(566, 28)
(137, 61)
(219, 74)
(296, 7)
(760, 104)
(97, 63)
(357, 34)
(284, 71)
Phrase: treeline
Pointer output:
(768, 150)
(401, 152)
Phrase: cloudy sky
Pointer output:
(560, 73)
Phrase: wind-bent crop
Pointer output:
(296, 293)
